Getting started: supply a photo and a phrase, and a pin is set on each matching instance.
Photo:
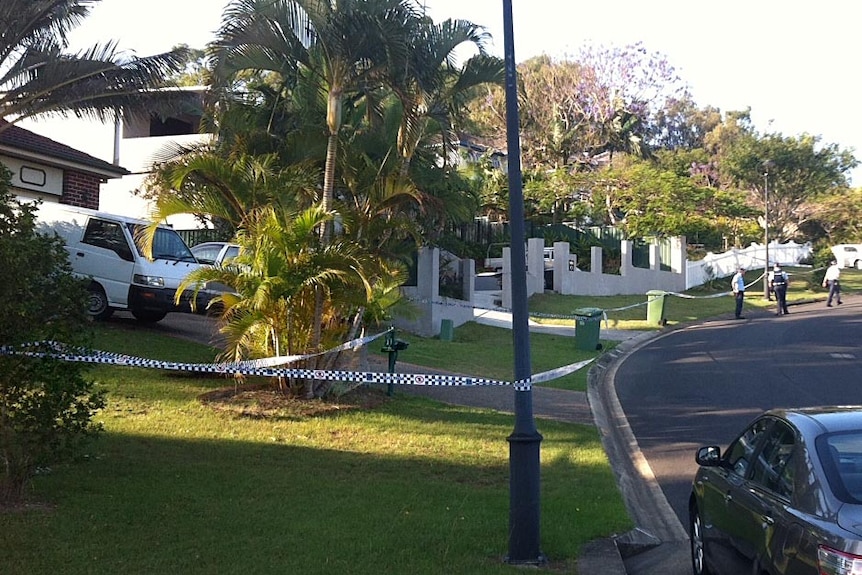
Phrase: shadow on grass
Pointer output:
(154, 504)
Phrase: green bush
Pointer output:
(46, 405)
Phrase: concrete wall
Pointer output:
(569, 280)
(430, 309)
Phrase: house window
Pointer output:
(33, 176)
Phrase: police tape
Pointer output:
(61, 352)
(286, 359)
(559, 372)
(689, 296)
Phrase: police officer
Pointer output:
(830, 280)
(778, 282)
(737, 282)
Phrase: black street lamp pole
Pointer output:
(524, 469)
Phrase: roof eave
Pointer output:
(48, 160)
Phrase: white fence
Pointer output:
(430, 309)
(753, 257)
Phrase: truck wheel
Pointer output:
(97, 303)
(148, 316)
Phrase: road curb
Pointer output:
(601, 556)
(646, 504)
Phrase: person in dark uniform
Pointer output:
(778, 282)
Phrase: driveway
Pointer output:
(193, 327)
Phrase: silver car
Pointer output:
(215, 253)
(784, 498)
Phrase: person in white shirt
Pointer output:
(737, 283)
(831, 281)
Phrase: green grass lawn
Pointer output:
(408, 486)
(487, 351)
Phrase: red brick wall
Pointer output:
(80, 189)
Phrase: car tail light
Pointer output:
(832, 562)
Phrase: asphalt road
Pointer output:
(701, 385)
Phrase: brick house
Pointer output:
(53, 172)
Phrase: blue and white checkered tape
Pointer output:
(266, 367)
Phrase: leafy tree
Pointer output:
(599, 101)
(796, 170)
(648, 201)
(195, 71)
(681, 125)
(837, 217)
(39, 77)
(555, 196)
(46, 405)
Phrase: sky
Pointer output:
(793, 63)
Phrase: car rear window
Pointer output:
(841, 456)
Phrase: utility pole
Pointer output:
(766, 165)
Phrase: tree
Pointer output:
(213, 184)
(599, 101)
(194, 71)
(490, 184)
(796, 170)
(40, 78)
(433, 91)
(836, 217)
(273, 281)
(681, 125)
(46, 405)
(345, 47)
(647, 200)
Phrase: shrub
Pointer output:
(46, 405)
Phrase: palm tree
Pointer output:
(38, 77)
(434, 91)
(210, 183)
(273, 282)
(345, 47)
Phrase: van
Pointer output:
(848, 255)
(102, 247)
